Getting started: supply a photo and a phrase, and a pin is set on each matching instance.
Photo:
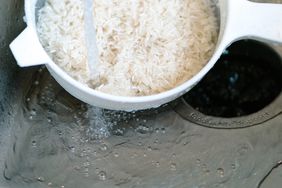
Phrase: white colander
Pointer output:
(239, 19)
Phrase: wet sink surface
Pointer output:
(50, 139)
(57, 141)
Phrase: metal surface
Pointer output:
(231, 92)
(50, 139)
(10, 25)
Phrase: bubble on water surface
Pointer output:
(102, 175)
(220, 172)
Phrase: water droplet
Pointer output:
(116, 155)
(157, 130)
(41, 179)
(156, 141)
(62, 186)
(173, 166)
(49, 120)
(102, 175)
(173, 155)
(50, 184)
(142, 129)
(86, 174)
(31, 117)
(220, 171)
(33, 112)
(157, 164)
(72, 149)
(145, 154)
(27, 99)
(149, 148)
(163, 130)
(36, 82)
(104, 147)
(33, 143)
(60, 133)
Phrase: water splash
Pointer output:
(100, 125)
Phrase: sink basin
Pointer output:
(50, 139)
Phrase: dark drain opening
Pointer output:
(246, 79)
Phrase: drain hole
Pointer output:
(246, 79)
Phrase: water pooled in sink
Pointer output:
(58, 141)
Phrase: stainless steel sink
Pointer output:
(50, 139)
(11, 24)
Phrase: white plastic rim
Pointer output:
(238, 19)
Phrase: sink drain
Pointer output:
(241, 90)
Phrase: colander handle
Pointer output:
(259, 21)
(27, 49)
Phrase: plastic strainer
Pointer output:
(239, 19)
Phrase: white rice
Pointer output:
(145, 46)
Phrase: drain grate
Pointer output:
(239, 91)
